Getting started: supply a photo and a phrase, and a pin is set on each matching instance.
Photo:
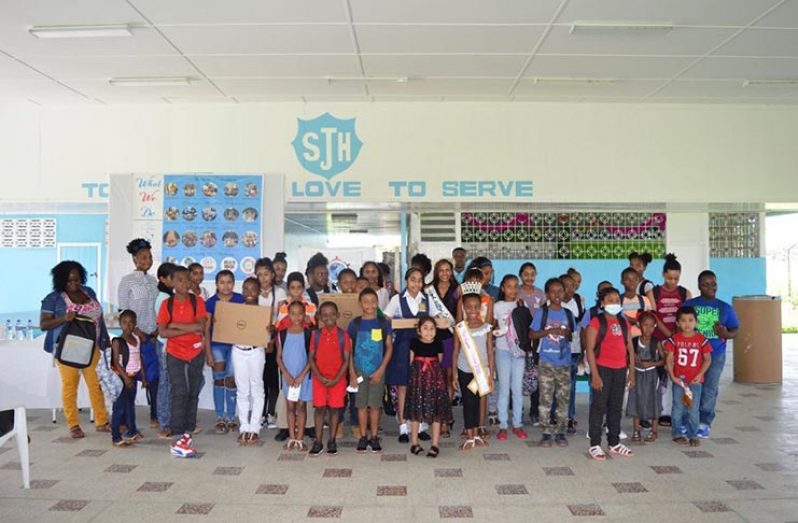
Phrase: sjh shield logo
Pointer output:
(326, 145)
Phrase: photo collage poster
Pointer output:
(214, 220)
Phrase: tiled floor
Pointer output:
(748, 471)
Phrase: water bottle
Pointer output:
(20, 330)
(30, 329)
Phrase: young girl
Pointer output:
(480, 332)
(427, 393)
(280, 267)
(270, 296)
(639, 261)
(196, 277)
(296, 292)
(347, 280)
(126, 362)
(447, 291)
(611, 359)
(633, 304)
(411, 303)
(292, 358)
(249, 362)
(219, 359)
(371, 271)
(534, 297)
(510, 358)
(643, 400)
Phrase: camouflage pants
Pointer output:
(554, 379)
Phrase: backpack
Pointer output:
(522, 319)
(544, 318)
(124, 351)
(316, 335)
(75, 344)
(580, 308)
(356, 322)
(602, 332)
(170, 305)
(308, 335)
(682, 293)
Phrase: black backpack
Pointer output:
(75, 344)
(602, 332)
(522, 319)
(544, 318)
(580, 308)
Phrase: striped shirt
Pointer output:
(137, 292)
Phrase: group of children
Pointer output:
(471, 342)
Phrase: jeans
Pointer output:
(249, 384)
(224, 398)
(709, 392)
(681, 415)
(186, 380)
(607, 402)
(70, 379)
(124, 409)
(511, 374)
(164, 410)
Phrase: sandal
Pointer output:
(241, 441)
(253, 438)
(221, 426)
(302, 446)
(416, 450)
(433, 452)
(681, 440)
(122, 443)
(695, 442)
(104, 428)
(636, 438)
(483, 432)
(76, 432)
(468, 445)
(621, 450)
(232, 426)
(597, 453)
(479, 442)
(138, 436)
(651, 437)
(289, 445)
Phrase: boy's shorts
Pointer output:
(332, 397)
(369, 394)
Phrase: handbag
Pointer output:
(75, 344)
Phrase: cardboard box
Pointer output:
(348, 307)
(411, 323)
(241, 324)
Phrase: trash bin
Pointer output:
(757, 347)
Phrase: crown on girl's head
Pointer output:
(471, 287)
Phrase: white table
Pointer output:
(28, 377)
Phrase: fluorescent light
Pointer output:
(608, 26)
(570, 80)
(392, 79)
(774, 82)
(80, 31)
(150, 82)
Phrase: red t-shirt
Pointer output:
(688, 354)
(186, 346)
(328, 352)
(667, 305)
(613, 352)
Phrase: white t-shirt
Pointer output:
(273, 299)
(383, 298)
(576, 341)
(394, 308)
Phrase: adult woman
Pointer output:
(445, 285)
(137, 292)
(69, 298)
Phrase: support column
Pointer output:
(688, 238)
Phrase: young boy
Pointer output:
(553, 325)
(248, 362)
(181, 320)
(372, 346)
(717, 322)
(689, 357)
(329, 361)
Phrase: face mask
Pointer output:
(613, 308)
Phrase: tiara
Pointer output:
(471, 287)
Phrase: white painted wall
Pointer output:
(573, 153)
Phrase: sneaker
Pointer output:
(545, 441)
(571, 426)
(534, 421)
(316, 450)
(560, 440)
(362, 445)
(332, 447)
(281, 435)
(423, 436)
(403, 437)
(520, 433)
(271, 422)
(703, 431)
(623, 435)
(665, 421)
(683, 430)
(376, 448)
(502, 435)
(182, 448)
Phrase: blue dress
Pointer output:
(295, 357)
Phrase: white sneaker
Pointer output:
(403, 428)
(423, 427)
(623, 435)
(271, 422)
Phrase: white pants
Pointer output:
(248, 372)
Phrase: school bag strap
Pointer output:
(381, 320)
(124, 351)
(544, 317)
(580, 308)
(314, 298)
(602, 332)
(316, 337)
(283, 335)
(170, 305)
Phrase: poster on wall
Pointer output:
(214, 220)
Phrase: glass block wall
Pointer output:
(563, 235)
(734, 235)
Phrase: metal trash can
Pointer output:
(757, 347)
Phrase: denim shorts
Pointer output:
(222, 354)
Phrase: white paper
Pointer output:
(293, 393)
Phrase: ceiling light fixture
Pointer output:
(773, 82)
(617, 27)
(392, 79)
(570, 80)
(150, 82)
(81, 31)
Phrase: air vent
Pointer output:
(27, 233)
(438, 227)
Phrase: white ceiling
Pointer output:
(277, 50)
